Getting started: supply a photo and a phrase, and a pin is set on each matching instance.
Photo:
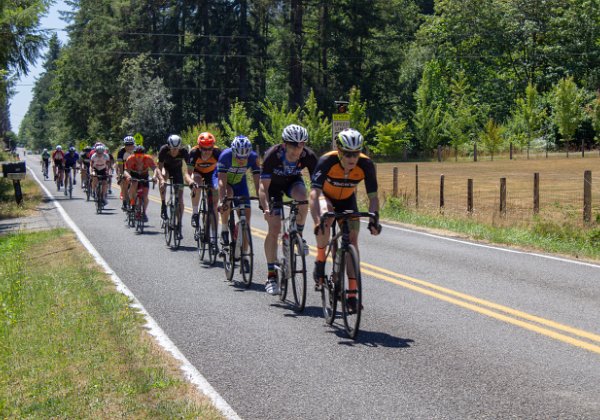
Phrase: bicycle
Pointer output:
(291, 267)
(69, 180)
(45, 168)
(345, 265)
(58, 180)
(99, 200)
(240, 243)
(88, 184)
(136, 213)
(172, 226)
(205, 232)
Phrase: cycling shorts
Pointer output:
(277, 189)
(58, 164)
(176, 174)
(207, 179)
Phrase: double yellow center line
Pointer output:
(570, 335)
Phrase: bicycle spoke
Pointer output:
(298, 272)
(351, 291)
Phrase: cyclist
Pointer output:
(233, 164)
(201, 166)
(138, 166)
(334, 189)
(122, 155)
(58, 157)
(281, 174)
(71, 160)
(171, 157)
(100, 166)
(84, 162)
(45, 161)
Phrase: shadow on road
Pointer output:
(370, 339)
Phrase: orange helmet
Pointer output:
(206, 140)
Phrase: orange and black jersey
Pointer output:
(329, 176)
(203, 166)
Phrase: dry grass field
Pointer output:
(561, 187)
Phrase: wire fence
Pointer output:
(557, 191)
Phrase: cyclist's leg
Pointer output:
(133, 187)
(198, 179)
(322, 237)
(225, 218)
(298, 193)
(275, 193)
(94, 179)
(163, 190)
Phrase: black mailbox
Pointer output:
(14, 170)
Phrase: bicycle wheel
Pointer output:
(211, 238)
(229, 250)
(329, 292)
(247, 256)
(139, 215)
(88, 189)
(351, 294)
(70, 181)
(201, 229)
(298, 272)
(99, 197)
(167, 225)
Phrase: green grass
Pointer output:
(72, 347)
(562, 237)
(32, 196)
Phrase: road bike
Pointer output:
(99, 197)
(45, 168)
(69, 177)
(136, 213)
(172, 225)
(240, 247)
(59, 178)
(291, 267)
(205, 233)
(346, 266)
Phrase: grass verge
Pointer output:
(32, 196)
(543, 235)
(72, 347)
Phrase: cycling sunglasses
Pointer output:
(350, 154)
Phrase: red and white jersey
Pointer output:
(99, 161)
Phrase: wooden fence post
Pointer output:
(587, 196)
(536, 193)
(442, 193)
(395, 183)
(503, 196)
(417, 186)
(470, 195)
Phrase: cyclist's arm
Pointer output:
(222, 178)
(315, 206)
(265, 183)
(256, 179)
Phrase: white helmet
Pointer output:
(241, 147)
(294, 133)
(349, 140)
(59, 147)
(100, 149)
(174, 141)
(128, 141)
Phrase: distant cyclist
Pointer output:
(334, 189)
(71, 162)
(282, 175)
(137, 169)
(233, 164)
(99, 167)
(84, 164)
(45, 161)
(171, 159)
(122, 155)
(58, 157)
(202, 165)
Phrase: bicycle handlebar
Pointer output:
(290, 203)
(343, 216)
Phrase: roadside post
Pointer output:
(339, 120)
(16, 172)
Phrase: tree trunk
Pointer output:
(295, 70)
(324, 42)
(243, 57)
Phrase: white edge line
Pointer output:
(497, 248)
(190, 372)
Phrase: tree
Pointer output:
(531, 113)
(567, 111)
(149, 107)
(238, 123)
(317, 125)
(491, 137)
(358, 113)
(593, 111)
(391, 139)
(277, 118)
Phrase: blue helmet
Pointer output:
(241, 147)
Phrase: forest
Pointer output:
(419, 74)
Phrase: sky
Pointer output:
(19, 103)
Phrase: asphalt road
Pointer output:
(450, 329)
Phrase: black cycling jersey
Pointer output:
(276, 167)
(172, 164)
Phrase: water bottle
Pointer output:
(285, 240)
